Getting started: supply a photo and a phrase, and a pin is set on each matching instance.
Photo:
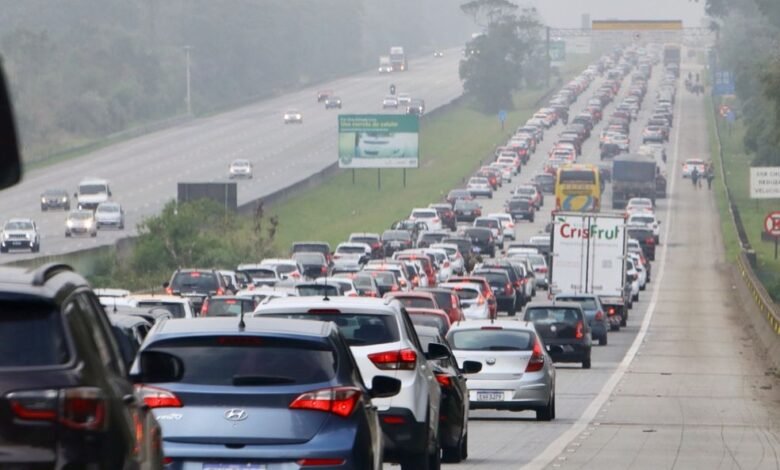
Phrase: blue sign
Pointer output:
(723, 83)
(731, 116)
(502, 115)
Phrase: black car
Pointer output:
(546, 181)
(453, 424)
(502, 287)
(426, 239)
(446, 215)
(521, 208)
(396, 240)
(515, 277)
(65, 396)
(467, 210)
(646, 239)
(610, 150)
(464, 245)
(332, 102)
(227, 306)
(55, 199)
(314, 264)
(197, 284)
(482, 240)
(416, 107)
(563, 329)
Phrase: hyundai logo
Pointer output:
(490, 361)
(235, 414)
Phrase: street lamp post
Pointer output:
(188, 97)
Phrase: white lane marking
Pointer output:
(560, 445)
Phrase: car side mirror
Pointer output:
(10, 157)
(384, 387)
(155, 366)
(437, 352)
(471, 367)
(555, 349)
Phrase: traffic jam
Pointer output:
(382, 348)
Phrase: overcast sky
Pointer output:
(568, 13)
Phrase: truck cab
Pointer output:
(91, 192)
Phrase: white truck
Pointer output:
(589, 257)
(91, 192)
(385, 66)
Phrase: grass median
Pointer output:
(736, 165)
(453, 143)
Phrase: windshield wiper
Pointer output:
(239, 380)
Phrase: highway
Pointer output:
(143, 172)
(681, 387)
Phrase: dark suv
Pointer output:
(55, 199)
(197, 284)
(65, 400)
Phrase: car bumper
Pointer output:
(476, 313)
(522, 215)
(571, 351)
(24, 244)
(514, 394)
(481, 192)
(407, 438)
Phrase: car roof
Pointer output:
(127, 320)
(351, 304)
(553, 304)
(174, 299)
(505, 324)
(93, 181)
(211, 326)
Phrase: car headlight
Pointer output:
(69, 223)
(88, 223)
(43, 200)
(65, 199)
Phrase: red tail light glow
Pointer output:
(310, 462)
(445, 380)
(80, 408)
(393, 420)
(405, 359)
(340, 401)
(599, 315)
(536, 362)
(204, 309)
(169, 290)
(155, 397)
(578, 332)
(508, 288)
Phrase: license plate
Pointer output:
(490, 396)
(477, 249)
(234, 466)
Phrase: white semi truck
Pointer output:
(589, 257)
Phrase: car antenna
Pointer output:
(326, 298)
(241, 324)
(115, 310)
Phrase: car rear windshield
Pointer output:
(426, 214)
(443, 299)
(31, 335)
(493, 278)
(310, 247)
(519, 203)
(247, 361)
(359, 329)
(383, 278)
(309, 258)
(577, 176)
(176, 309)
(311, 290)
(487, 223)
(466, 294)
(416, 302)
(479, 234)
(366, 240)
(396, 235)
(586, 302)
(351, 250)
(491, 340)
(228, 307)
(435, 321)
(261, 273)
(194, 281)
(640, 234)
(553, 315)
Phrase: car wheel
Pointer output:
(624, 319)
(36, 248)
(586, 362)
(635, 298)
(603, 340)
(547, 413)
(3, 250)
(44, 208)
(93, 234)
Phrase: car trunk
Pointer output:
(496, 365)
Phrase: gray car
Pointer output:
(20, 234)
(109, 214)
(517, 372)
(594, 313)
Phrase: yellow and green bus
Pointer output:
(578, 188)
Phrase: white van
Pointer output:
(91, 192)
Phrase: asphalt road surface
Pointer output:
(681, 387)
(144, 172)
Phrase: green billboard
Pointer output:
(379, 141)
(557, 51)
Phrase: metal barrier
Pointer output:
(746, 257)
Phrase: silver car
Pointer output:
(20, 234)
(293, 116)
(109, 214)
(81, 222)
(517, 373)
(240, 168)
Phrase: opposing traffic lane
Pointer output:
(144, 171)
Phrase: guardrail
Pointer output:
(746, 259)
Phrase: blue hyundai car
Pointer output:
(262, 394)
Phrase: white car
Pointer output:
(473, 303)
(639, 204)
(429, 216)
(180, 307)
(507, 224)
(690, 164)
(621, 140)
(404, 99)
(261, 275)
(381, 341)
(517, 373)
(293, 116)
(390, 102)
(347, 254)
(81, 222)
(110, 214)
(286, 267)
(506, 170)
(479, 186)
(240, 168)
(647, 219)
(633, 274)
(20, 234)
(640, 269)
(456, 259)
(443, 263)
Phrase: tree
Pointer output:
(486, 12)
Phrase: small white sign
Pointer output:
(765, 182)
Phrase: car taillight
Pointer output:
(536, 362)
(611, 311)
(204, 309)
(376, 245)
(80, 408)
(508, 288)
(220, 291)
(404, 359)
(155, 397)
(324, 269)
(578, 331)
(650, 241)
(169, 290)
(541, 269)
(393, 419)
(445, 380)
(314, 462)
(599, 315)
(518, 283)
(340, 401)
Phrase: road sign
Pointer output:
(765, 182)
(379, 141)
(772, 224)
(723, 83)
(502, 115)
(558, 51)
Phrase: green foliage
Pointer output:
(501, 61)
(83, 69)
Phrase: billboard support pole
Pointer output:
(404, 177)
(379, 179)
(353, 177)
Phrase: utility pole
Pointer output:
(188, 98)
(549, 59)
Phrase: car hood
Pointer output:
(108, 215)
